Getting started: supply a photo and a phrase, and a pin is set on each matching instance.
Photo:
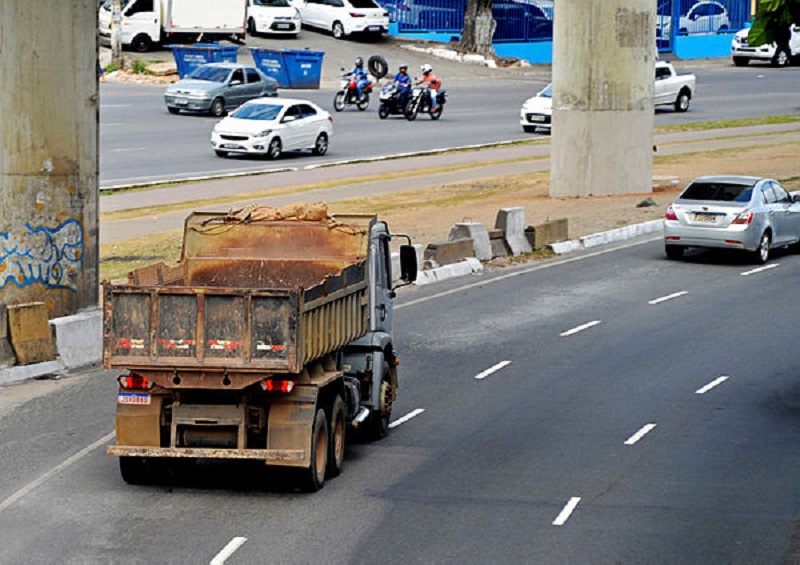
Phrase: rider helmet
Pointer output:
(403, 66)
(359, 62)
(426, 68)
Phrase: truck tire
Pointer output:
(313, 478)
(781, 58)
(337, 426)
(377, 66)
(141, 43)
(377, 425)
(682, 101)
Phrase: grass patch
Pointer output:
(119, 258)
(726, 124)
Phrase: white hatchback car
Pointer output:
(270, 126)
(537, 112)
(343, 17)
(273, 16)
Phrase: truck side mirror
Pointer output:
(408, 263)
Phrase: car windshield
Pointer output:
(258, 112)
(272, 3)
(363, 4)
(212, 74)
(719, 191)
(547, 92)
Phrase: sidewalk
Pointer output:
(418, 172)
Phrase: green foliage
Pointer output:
(111, 67)
(139, 67)
(772, 22)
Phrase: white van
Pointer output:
(343, 17)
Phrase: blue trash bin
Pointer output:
(304, 67)
(292, 69)
(270, 62)
(189, 57)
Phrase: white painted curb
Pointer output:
(606, 237)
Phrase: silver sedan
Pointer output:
(732, 212)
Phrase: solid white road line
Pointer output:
(227, 551)
(640, 434)
(57, 469)
(573, 331)
(761, 269)
(491, 370)
(562, 518)
(407, 417)
(711, 385)
(668, 297)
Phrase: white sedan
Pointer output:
(537, 112)
(270, 126)
(272, 16)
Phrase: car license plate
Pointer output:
(707, 218)
(230, 146)
(133, 398)
(283, 26)
(374, 28)
(181, 102)
(537, 118)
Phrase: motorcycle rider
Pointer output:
(403, 82)
(359, 73)
(433, 83)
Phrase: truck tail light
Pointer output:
(745, 217)
(670, 215)
(135, 382)
(270, 385)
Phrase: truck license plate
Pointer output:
(133, 398)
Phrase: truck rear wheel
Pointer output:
(338, 426)
(135, 470)
(313, 478)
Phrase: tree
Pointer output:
(479, 26)
(772, 22)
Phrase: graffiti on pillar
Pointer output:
(52, 257)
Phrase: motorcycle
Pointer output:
(421, 102)
(393, 101)
(347, 94)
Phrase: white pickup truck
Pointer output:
(671, 88)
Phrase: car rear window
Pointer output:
(258, 112)
(719, 191)
(363, 4)
(213, 74)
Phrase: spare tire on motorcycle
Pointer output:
(378, 66)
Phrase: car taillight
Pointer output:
(270, 385)
(357, 15)
(135, 382)
(745, 217)
(670, 214)
(330, 119)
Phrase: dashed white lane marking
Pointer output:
(491, 370)
(647, 428)
(407, 417)
(57, 469)
(128, 149)
(227, 551)
(562, 518)
(668, 297)
(580, 328)
(711, 385)
(761, 269)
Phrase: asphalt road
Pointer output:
(601, 431)
(140, 142)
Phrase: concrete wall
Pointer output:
(48, 154)
(602, 97)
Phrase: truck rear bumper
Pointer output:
(271, 456)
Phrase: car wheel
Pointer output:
(338, 101)
(761, 254)
(363, 104)
(173, 110)
(275, 148)
(321, 144)
(221, 153)
(781, 58)
(218, 108)
(674, 252)
(141, 43)
(251, 27)
(741, 61)
(682, 102)
(337, 30)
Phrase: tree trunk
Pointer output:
(479, 26)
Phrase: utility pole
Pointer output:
(116, 34)
(48, 154)
(603, 70)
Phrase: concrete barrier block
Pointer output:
(79, 338)
(7, 356)
(512, 222)
(449, 252)
(499, 246)
(24, 372)
(30, 333)
(551, 232)
(466, 267)
(482, 248)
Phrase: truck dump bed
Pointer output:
(248, 296)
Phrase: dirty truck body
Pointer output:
(267, 339)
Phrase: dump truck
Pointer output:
(269, 339)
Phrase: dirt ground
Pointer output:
(428, 215)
